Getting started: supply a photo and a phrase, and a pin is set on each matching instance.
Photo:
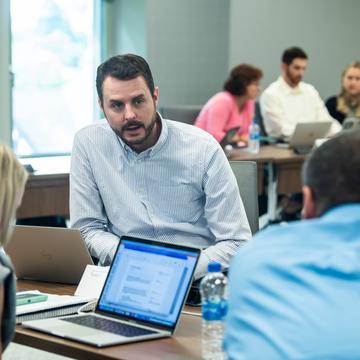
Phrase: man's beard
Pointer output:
(148, 131)
(293, 79)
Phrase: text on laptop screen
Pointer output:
(148, 282)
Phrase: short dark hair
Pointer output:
(240, 77)
(124, 67)
(292, 53)
(333, 171)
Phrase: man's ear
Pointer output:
(309, 209)
(156, 95)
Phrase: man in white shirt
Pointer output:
(289, 100)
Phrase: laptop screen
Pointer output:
(148, 281)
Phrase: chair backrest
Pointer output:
(186, 113)
(260, 119)
(246, 177)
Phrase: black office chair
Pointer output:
(260, 119)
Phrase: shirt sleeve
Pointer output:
(217, 118)
(87, 211)
(273, 114)
(224, 211)
(323, 114)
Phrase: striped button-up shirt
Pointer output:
(181, 190)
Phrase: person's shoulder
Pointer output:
(309, 88)
(272, 89)
(189, 132)
(332, 100)
(222, 98)
(95, 130)
(196, 140)
(94, 127)
(275, 240)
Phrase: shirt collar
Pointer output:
(155, 148)
(288, 89)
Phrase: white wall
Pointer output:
(328, 30)
(185, 43)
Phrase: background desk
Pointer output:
(284, 168)
(185, 344)
(45, 195)
(47, 190)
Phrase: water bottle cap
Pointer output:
(214, 267)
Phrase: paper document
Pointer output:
(92, 281)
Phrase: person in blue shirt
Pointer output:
(138, 174)
(294, 291)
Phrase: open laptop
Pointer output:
(306, 133)
(227, 139)
(48, 254)
(142, 297)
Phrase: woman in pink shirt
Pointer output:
(234, 107)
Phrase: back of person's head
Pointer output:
(292, 53)
(240, 77)
(333, 172)
(13, 177)
(123, 67)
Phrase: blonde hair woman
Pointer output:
(347, 103)
(12, 183)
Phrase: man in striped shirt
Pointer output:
(138, 174)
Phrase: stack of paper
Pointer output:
(55, 305)
(88, 291)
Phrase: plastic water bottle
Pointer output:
(213, 290)
(254, 137)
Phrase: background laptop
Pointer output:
(142, 297)
(227, 139)
(306, 133)
(48, 254)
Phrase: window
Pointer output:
(54, 53)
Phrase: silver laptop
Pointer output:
(306, 133)
(142, 297)
(48, 254)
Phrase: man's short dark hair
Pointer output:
(333, 171)
(240, 77)
(124, 67)
(292, 53)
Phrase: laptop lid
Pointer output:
(306, 133)
(148, 282)
(48, 254)
(227, 139)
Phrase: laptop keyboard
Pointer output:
(111, 326)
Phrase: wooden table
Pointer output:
(284, 171)
(185, 344)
